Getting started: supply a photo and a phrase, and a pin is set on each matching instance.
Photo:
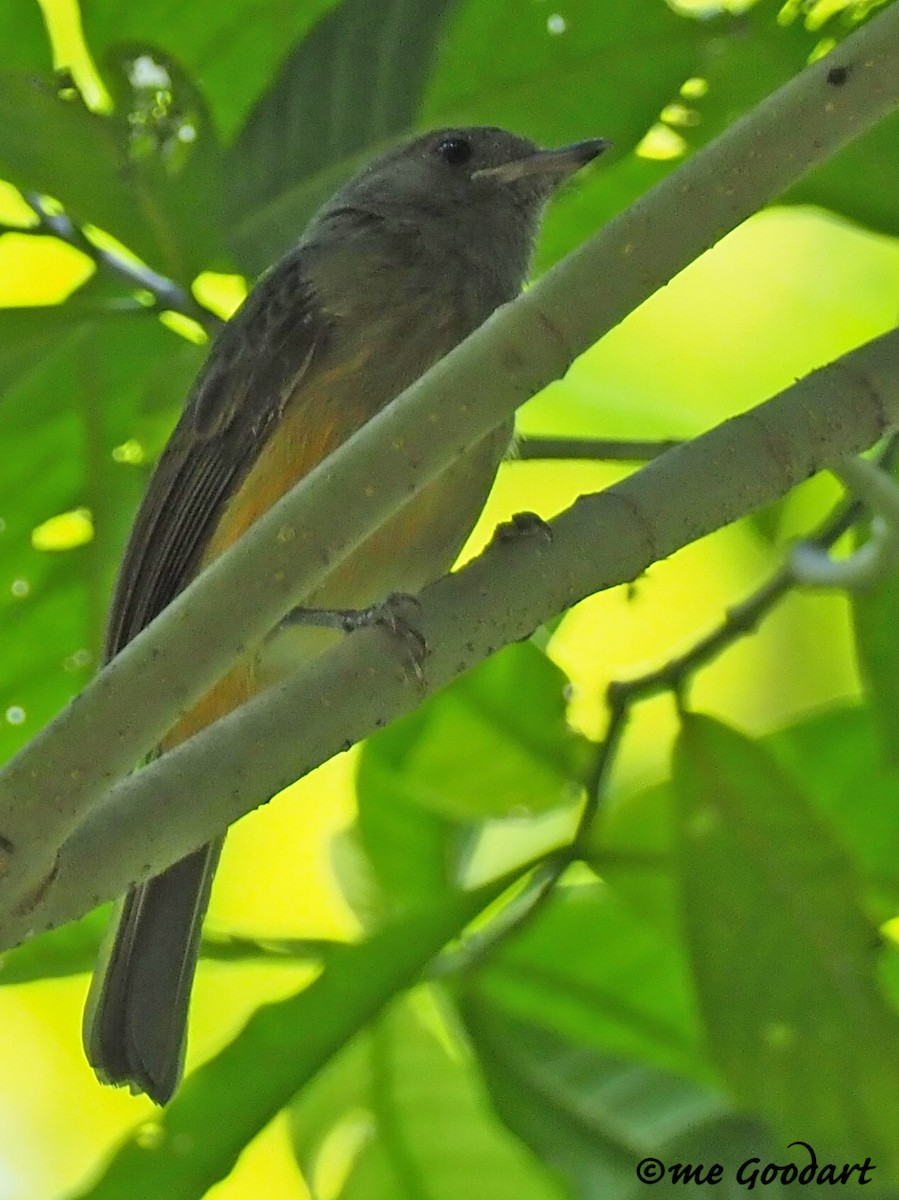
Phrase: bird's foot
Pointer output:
(397, 613)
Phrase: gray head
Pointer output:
(476, 194)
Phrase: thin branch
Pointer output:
(873, 561)
(743, 618)
(518, 912)
(166, 294)
(48, 787)
(522, 910)
(591, 449)
(622, 696)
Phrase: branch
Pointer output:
(167, 295)
(876, 559)
(599, 449)
(49, 786)
(145, 824)
(741, 620)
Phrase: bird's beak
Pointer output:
(557, 164)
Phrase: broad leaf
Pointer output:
(877, 647)
(96, 383)
(233, 1097)
(410, 1081)
(784, 955)
(147, 174)
(24, 38)
(351, 86)
(595, 1117)
(588, 968)
(836, 757)
(520, 755)
(231, 49)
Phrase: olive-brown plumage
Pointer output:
(398, 267)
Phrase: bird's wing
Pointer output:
(253, 369)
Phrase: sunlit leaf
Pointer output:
(229, 1100)
(496, 743)
(409, 1083)
(874, 625)
(836, 757)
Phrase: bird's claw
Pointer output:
(397, 613)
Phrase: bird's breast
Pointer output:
(418, 543)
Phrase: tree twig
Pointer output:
(599, 449)
(166, 294)
(743, 618)
(622, 696)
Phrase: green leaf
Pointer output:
(594, 1117)
(587, 967)
(861, 180)
(57, 147)
(225, 1103)
(631, 847)
(70, 950)
(155, 192)
(495, 744)
(172, 168)
(497, 59)
(430, 1130)
(350, 87)
(409, 846)
(231, 49)
(23, 37)
(784, 955)
(831, 755)
(835, 756)
(88, 384)
(27, 335)
(877, 648)
(338, 1096)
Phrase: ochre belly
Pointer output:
(417, 545)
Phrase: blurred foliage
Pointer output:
(721, 978)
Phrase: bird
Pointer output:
(393, 271)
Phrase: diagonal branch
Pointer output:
(49, 786)
(519, 581)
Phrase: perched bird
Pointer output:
(399, 266)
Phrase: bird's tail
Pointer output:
(135, 1021)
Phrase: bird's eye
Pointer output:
(454, 150)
